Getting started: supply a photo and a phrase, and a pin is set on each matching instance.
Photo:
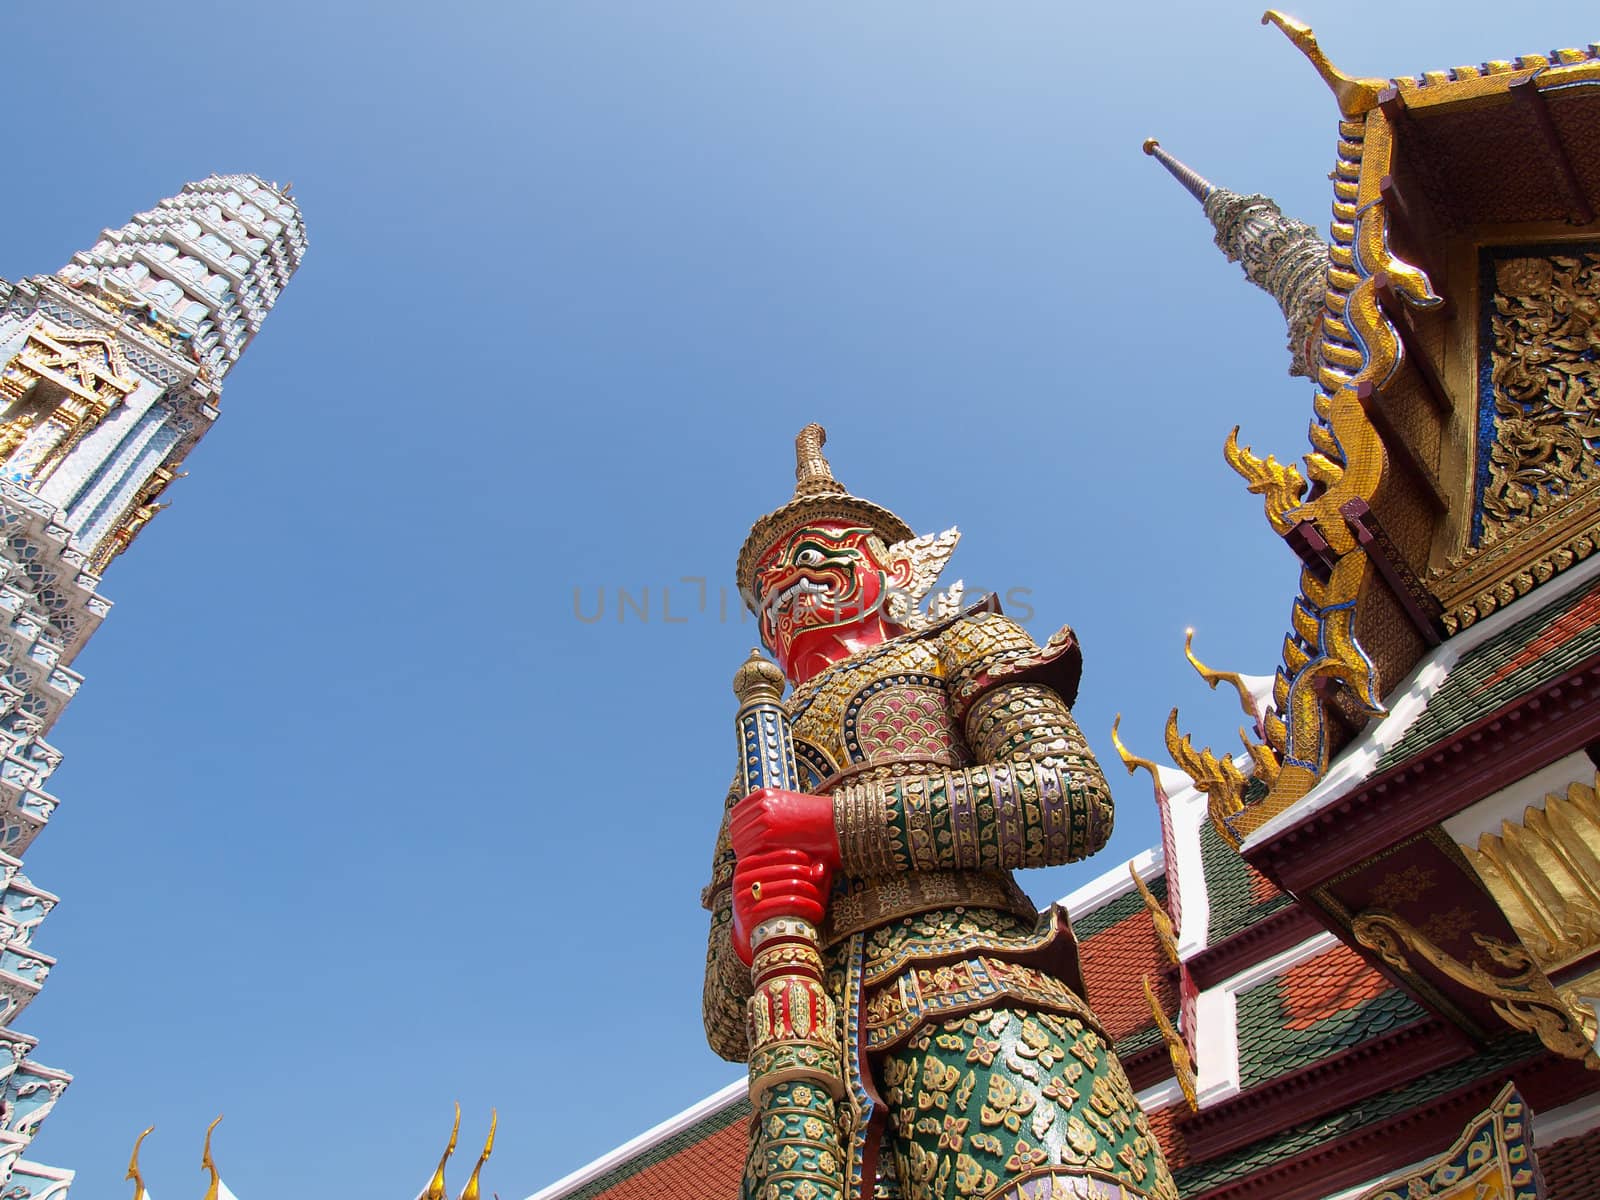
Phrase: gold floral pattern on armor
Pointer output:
(902, 1006)
(860, 903)
(967, 1125)
(819, 707)
(941, 932)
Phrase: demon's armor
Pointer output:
(952, 758)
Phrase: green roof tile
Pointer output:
(1120, 909)
(1228, 887)
(1269, 1049)
(1198, 1178)
(1472, 691)
(1139, 1039)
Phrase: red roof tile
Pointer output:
(709, 1169)
(1329, 984)
(1164, 1125)
(1115, 962)
(1571, 1167)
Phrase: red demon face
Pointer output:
(816, 585)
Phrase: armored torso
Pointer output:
(888, 714)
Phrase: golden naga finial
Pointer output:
(1280, 485)
(207, 1163)
(133, 1166)
(470, 1192)
(1355, 96)
(1262, 755)
(1131, 760)
(1165, 933)
(812, 475)
(1247, 701)
(436, 1187)
(1219, 778)
(1177, 1048)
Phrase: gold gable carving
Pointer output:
(1493, 1159)
(65, 378)
(1539, 505)
(1544, 873)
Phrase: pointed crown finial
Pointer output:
(818, 496)
(812, 474)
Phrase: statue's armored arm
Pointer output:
(727, 982)
(1036, 797)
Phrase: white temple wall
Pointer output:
(141, 454)
(98, 446)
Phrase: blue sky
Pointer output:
(359, 817)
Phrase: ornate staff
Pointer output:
(795, 1075)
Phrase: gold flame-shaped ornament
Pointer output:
(139, 1192)
(436, 1186)
(470, 1192)
(207, 1163)
(1355, 96)
(1133, 761)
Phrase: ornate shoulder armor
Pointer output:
(986, 649)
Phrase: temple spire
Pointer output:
(1283, 257)
(1197, 185)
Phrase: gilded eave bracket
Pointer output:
(1523, 996)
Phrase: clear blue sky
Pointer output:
(358, 817)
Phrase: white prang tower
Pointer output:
(110, 371)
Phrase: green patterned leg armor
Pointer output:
(793, 1161)
(1007, 1103)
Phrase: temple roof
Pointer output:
(1569, 1167)
(1370, 1113)
(698, 1152)
(1491, 664)
(1313, 1010)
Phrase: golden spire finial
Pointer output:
(812, 475)
(1355, 96)
(1132, 761)
(758, 678)
(1165, 933)
(436, 1187)
(133, 1166)
(1246, 700)
(470, 1192)
(207, 1163)
(1177, 1048)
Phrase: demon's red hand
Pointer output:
(787, 851)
